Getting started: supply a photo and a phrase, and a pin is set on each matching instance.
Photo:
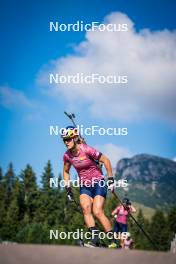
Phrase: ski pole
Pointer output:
(78, 206)
(79, 210)
(140, 227)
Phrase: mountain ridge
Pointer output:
(151, 179)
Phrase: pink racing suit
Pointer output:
(122, 215)
(85, 164)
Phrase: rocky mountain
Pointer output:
(151, 179)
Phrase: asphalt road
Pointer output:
(47, 254)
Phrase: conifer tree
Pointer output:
(30, 191)
(2, 205)
(159, 231)
(1, 176)
(8, 182)
(171, 219)
(47, 174)
(140, 240)
(15, 211)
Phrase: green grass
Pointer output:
(148, 212)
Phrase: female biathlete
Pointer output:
(93, 188)
(121, 214)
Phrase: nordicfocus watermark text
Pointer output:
(80, 234)
(91, 131)
(57, 182)
(93, 78)
(81, 26)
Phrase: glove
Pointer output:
(110, 184)
(69, 193)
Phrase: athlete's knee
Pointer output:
(86, 209)
(98, 212)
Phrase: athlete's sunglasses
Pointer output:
(67, 139)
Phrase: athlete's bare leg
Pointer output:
(98, 211)
(86, 205)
